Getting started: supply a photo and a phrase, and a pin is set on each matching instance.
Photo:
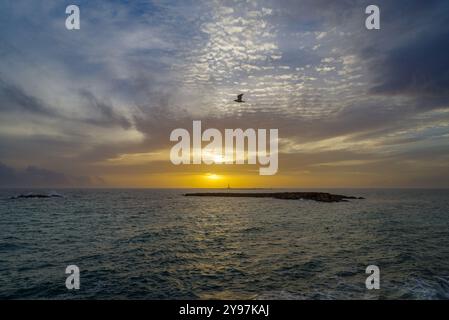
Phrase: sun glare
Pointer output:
(212, 176)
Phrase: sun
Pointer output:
(213, 176)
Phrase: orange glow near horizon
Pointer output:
(198, 180)
(238, 180)
(124, 175)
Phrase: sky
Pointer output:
(95, 107)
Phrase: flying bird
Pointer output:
(239, 98)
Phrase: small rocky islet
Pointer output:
(36, 196)
(315, 196)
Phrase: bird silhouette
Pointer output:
(239, 98)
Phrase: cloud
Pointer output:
(119, 86)
(14, 98)
(414, 62)
(107, 115)
(33, 176)
(416, 69)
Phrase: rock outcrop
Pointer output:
(316, 196)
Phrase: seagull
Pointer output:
(239, 98)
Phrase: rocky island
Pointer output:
(316, 196)
(35, 196)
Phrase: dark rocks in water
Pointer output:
(316, 196)
(36, 195)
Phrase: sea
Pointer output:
(159, 244)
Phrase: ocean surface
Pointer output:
(158, 244)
